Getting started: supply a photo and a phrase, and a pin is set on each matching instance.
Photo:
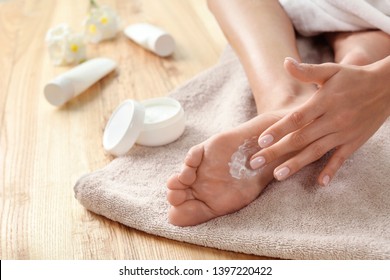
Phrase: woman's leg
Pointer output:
(262, 36)
(360, 48)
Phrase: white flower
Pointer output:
(101, 24)
(65, 47)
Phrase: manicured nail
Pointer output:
(266, 140)
(325, 180)
(257, 162)
(282, 173)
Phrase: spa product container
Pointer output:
(76, 80)
(152, 38)
(152, 122)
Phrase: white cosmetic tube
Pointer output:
(152, 38)
(76, 80)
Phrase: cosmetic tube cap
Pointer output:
(162, 45)
(123, 127)
(59, 91)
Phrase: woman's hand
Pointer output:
(350, 105)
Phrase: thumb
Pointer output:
(310, 73)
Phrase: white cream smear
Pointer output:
(239, 162)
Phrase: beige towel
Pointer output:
(294, 219)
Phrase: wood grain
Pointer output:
(44, 150)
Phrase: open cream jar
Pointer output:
(152, 122)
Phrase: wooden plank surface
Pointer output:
(44, 150)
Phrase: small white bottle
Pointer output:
(76, 80)
(152, 38)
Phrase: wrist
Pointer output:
(381, 70)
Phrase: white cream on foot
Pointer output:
(239, 162)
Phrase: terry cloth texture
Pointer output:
(318, 16)
(294, 219)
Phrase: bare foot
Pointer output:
(205, 189)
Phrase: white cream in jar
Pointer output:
(152, 122)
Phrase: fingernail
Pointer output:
(282, 173)
(325, 180)
(266, 140)
(257, 162)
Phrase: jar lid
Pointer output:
(123, 127)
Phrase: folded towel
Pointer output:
(293, 219)
(318, 16)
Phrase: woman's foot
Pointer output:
(205, 188)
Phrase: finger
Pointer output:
(312, 153)
(334, 164)
(293, 142)
(294, 121)
(310, 73)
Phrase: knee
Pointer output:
(357, 56)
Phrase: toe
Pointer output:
(194, 156)
(190, 213)
(174, 183)
(177, 197)
(187, 175)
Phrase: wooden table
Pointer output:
(44, 150)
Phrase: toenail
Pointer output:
(266, 140)
(282, 173)
(257, 162)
